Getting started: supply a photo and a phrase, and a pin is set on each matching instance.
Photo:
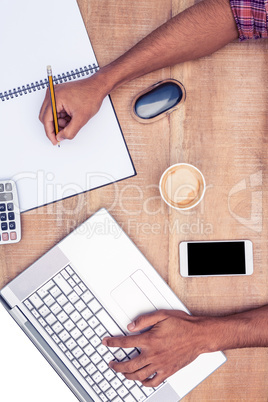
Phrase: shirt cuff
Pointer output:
(251, 18)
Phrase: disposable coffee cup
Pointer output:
(182, 186)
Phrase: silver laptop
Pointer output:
(91, 285)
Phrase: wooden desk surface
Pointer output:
(222, 129)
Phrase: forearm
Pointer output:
(198, 31)
(176, 339)
(242, 330)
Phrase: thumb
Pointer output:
(147, 320)
(72, 128)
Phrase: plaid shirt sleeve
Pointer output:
(251, 17)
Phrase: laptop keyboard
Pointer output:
(77, 322)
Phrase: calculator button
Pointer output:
(12, 225)
(4, 226)
(10, 206)
(6, 196)
(5, 236)
(3, 217)
(13, 236)
(11, 216)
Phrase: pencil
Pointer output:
(53, 100)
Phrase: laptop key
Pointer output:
(128, 383)
(84, 360)
(108, 323)
(44, 289)
(77, 322)
(62, 316)
(49, 300)
(57, 327)
(77, 352)
(110, 393)
(103, 397)
(56, 308)
(137, 393)
(50, 319)
(108, 357)
(64, 335)
(115, 383)
(97, 377)
(94, 306)
(129, 398)
(102, 366)
(36, 301)
(104, 385)
(148, 390)
(120, 355)
(62, 299)
(68, 308)
(82, 324)
(96, 389)
(87, 296)
(44, 311)
(89, 350)
(62, 284)
(71, 344)
(28, 305)
(91, 368)
(122, 391)
(118, 399)
(76, 333)
(55, 291)
(83, 372)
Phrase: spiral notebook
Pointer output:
(35, 34)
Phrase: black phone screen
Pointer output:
(219, 258)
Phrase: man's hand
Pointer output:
(174, 340)
(198, 31)
(76, 103)
(177, 338)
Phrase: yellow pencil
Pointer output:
(53, 100)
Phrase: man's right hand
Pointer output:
(76, 103)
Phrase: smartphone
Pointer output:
(216, 258)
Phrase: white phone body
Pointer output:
(216, 258)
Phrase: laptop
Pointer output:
(90, 285)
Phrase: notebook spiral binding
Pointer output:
(42, 84)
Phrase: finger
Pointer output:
(62, 114)
(49, 126)
(147, 320)
(124, 341)
(141, 374)
(155, 380)
(71, 129)
(145, 374)
(62, 123)
(129, 366)
(44, 106)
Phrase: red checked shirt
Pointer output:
(251, 17)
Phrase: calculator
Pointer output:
(10, 226)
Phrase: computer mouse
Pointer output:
(158, 100)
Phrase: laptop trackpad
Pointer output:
(138, 295)
(131, 299)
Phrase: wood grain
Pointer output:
(221, 129)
